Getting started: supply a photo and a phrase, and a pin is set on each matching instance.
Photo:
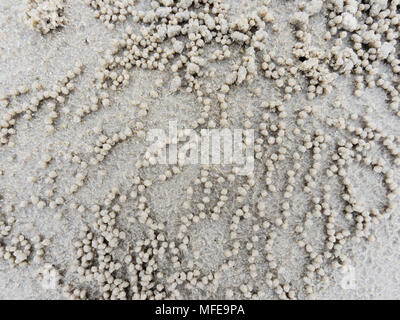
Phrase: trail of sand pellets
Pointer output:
(114, 184)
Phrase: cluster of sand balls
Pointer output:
(44, 15)
(297, 150)
(52, 99)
